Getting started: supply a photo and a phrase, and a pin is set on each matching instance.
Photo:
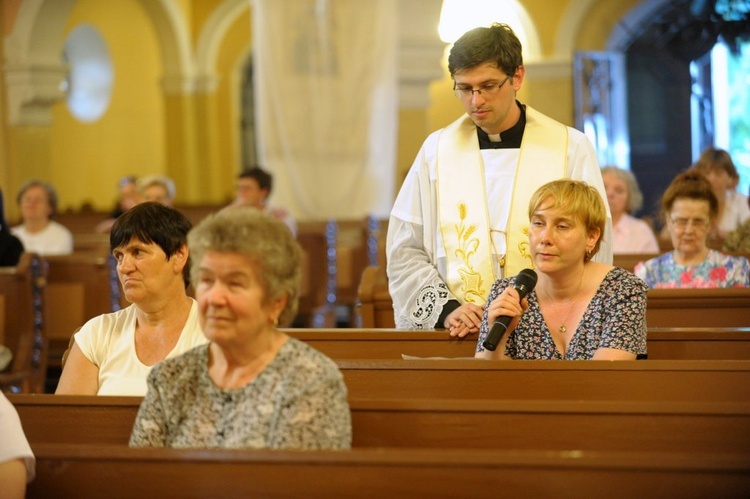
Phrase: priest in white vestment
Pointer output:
(460, 220)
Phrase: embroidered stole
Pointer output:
(462, 201)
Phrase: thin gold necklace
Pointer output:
(562, 328)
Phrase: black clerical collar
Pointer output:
(509, 139)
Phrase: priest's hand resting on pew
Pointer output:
(466, 319)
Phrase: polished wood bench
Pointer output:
(628, 261)
(80, 286)
(116, 471)
(728, 307)
(703, 343)
(22, 328)
(485, 424)
(373, 343)
(652, 380)
(665, 308)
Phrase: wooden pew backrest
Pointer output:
(728, 307)
(665, 307)
(375, 308)
(653, 380)
(79, 287)
(374, 343)
(481, 424)
(107, 471)
(22, 328)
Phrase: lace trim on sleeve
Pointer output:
(427, 307)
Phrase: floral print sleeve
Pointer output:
(622, 312)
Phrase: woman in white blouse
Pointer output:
(719, 169)
(113, 353)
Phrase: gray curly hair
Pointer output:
(265, 241)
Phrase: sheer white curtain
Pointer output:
(326, 103)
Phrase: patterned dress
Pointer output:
(299, 401)
(614, 318)
(716, 271)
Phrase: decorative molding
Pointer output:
(420, 51)
(557, 68)
(206, 83)
(178, 84)
(419, 65)
(214, 30)
(32, 91)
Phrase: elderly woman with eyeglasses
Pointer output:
(690, 208)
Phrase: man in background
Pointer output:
(253, 189)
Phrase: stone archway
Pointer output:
(34, 68)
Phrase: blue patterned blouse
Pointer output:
(716, 271)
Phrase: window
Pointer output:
(90, 74)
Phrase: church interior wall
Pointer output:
(194, 134)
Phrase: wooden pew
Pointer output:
(653, 380)
(22, 328)
(337, 252)
(91, 242)
(665, 308)
(375, 308)
(79, 286)
(481, 424)
(630, 260)
(699, 343)
(374, 343)
(698, 307)
(115, 471)
(314, 276)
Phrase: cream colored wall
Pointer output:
(88, 158)
(601, 20)
(195, 135)
(4, 166)
(230, 65)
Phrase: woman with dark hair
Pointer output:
(690, 208)
(10, 246)
(113, 353)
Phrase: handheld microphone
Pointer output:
(525, 282)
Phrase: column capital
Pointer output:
(32, 91)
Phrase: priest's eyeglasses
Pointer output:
(487, 90)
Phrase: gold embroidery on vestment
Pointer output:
(524, 248)
(467, 247)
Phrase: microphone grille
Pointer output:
(526, 278)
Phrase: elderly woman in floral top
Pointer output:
(691, 207)
(580, 309)
(251, 386)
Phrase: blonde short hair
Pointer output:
(577, 199)
(266, 242)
